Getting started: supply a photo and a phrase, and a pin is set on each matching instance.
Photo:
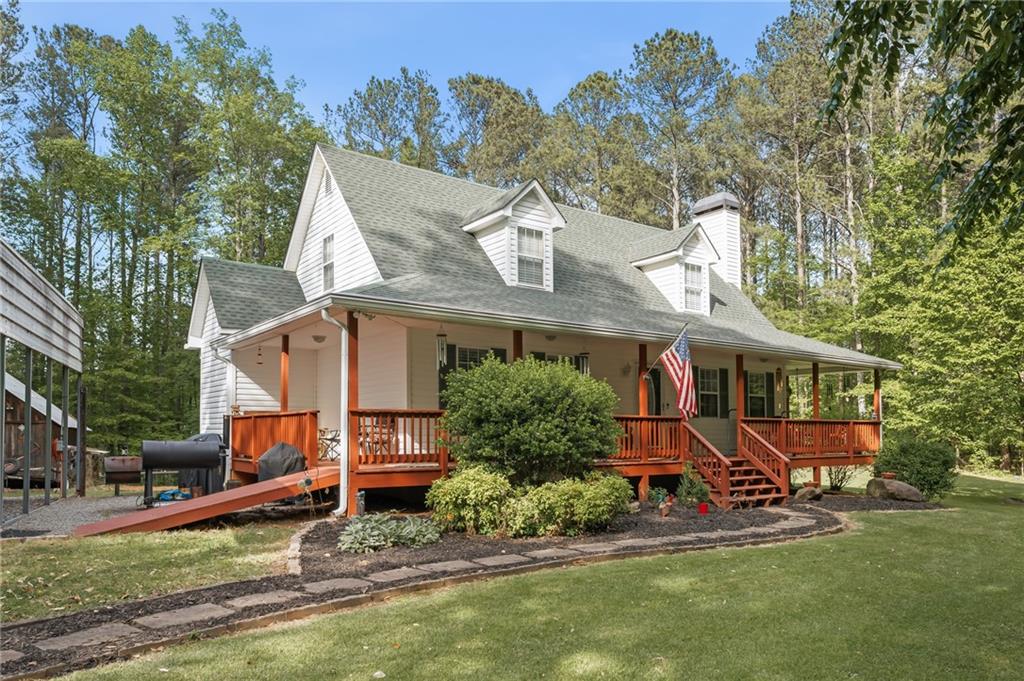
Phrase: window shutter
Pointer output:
(501, 353)
(452, 357)
(769, 394)
(655, 393)
(723, 393)
(696, 385)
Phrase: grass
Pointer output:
(57, 576)
(915, 595)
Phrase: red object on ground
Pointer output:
(702, 508)
(889, 475)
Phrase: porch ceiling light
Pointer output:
(259, 354)
(319, 339)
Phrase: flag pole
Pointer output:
(658, 358)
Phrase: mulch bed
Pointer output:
(320, 559)
(845, 503)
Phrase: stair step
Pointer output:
(766, 485)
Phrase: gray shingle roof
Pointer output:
(658, 244)
(411, 218)
(493, 205)
(245, 294)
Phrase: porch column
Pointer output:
(741, 410)
(353, 403)
(876, 406)
(517, 345)
(815, 392)
(641, 386)
(284, 372)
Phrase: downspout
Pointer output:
(342, 465)
(229, 378)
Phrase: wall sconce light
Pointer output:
(442, 348)
(259, 354)
(550, 338)
(319, 339)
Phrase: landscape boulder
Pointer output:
(808, 494)
(893, 489)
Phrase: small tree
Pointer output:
(929, 466)
(532, 421)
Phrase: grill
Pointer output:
(203, 455)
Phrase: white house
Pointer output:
(396, 275)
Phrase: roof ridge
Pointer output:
(226, 261)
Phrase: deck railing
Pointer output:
(818, 437)
(383, 437)
(648, 437)
(254, 434)
(711, 463)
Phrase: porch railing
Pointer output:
(765, 457)
(818, 437)
(254, 434)
(383, 437)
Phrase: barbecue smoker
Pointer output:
(200, 458)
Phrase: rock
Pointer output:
(893, 489)
(808, 494)
(634, 507)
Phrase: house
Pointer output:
(395, 276)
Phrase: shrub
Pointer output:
(569, 507)
(692, 490)
(369, 533)
(532, 421)
(472, 500)
(840, 476)
(657, 495)
(928, 466)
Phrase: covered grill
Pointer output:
(201, 456)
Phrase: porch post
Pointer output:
(353, 403)
(815, 392)
(741, 410)
(517, 344)
(641, 386)
(876, 406)
(284, 372)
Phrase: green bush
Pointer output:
(569, 507)
(928, 466)
(369, 533)
(473, 500)
(657, 495)
(532, 421)
(692, 490)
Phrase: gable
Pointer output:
(347, 255)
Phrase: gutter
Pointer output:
(342, 465)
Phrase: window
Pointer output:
(468, 358)
(579, 362)
(707, 390)
(530, 256)
(328, 262)
(693, 291)
(756, 395)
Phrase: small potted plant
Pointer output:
(889, 475)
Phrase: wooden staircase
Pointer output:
(749, 486)
(757, 474)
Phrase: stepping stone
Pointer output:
(396, 574)
(339, 584)
(193, 613)
(89, 637)
(673, 538)
(265, 598)
(10, 656)
(769, 529)
(552, 553)
(642, 541)
(502, 559)
(599, 547)
(449, 566)
(793, 524)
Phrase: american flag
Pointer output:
(677, 362)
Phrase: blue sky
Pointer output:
(335, 48)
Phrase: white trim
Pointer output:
(675, 252)
(557, 220)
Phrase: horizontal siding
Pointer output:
(258, 386)
(213, 378)
(35, 314)
(666, 277)
(423, 356)
(494, 241)
(383, 361)
(353, 263)
(530, 212)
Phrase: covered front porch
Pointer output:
(364, 390)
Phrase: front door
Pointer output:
(654, 392)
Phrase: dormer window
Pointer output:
(530, 256)
(693, 287)
(328, 262)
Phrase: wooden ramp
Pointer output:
(192, 510)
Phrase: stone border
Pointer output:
(294, 554)
(356, 600)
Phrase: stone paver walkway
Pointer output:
(99, 641)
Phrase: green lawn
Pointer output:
(50, 577)
(913, 595)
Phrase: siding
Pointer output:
(258, 386)
(422, 356)
(495, 242)
(353, 264)
(213, 378)
(383, 363)
(666, 276)
(723, 228)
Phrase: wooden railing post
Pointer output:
(849, 438)
(783, 427)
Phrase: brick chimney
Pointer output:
(719, 215)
